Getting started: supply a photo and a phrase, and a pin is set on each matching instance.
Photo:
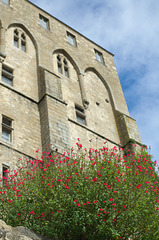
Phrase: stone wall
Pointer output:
(56, 83)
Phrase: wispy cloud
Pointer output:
(130, 30)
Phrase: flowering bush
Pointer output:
(97, 194)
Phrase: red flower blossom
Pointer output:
(95, 179)
(138, 186)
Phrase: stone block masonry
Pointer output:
(55, 86)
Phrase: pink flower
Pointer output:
(32, 212)
(95, 201)
(88, 202)
(117, 179)
(78, 205)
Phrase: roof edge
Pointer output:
(70, 28)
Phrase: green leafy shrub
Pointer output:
(96, 194)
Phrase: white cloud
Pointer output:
(130, 30)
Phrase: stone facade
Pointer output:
(55, 86)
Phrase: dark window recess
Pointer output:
(16, 38)
(7, 129)
(7, 75)
(80, 115)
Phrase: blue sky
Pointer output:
(130, 30)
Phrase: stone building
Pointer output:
(55, 86)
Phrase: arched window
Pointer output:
(62, 65)
(20, 40)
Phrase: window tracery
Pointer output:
(19, 40)
(62, 65)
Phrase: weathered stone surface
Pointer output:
(42, 99)
(16, 233)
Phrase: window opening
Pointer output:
(80, 115)
(6, 129)
(59, 64)
(65, 68)
(5, 171)
(23, 42)
(44, 22)
(16, 38)
(71, 39)
(99, 56)
(62, 65)
(7, 75)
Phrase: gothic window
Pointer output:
(71, 39)
(20, 40)
(80, 115)
(62, 65)
(7, 129)
(7, 75)
(99, 56)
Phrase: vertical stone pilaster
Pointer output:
(83, 92)
(2, 42)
